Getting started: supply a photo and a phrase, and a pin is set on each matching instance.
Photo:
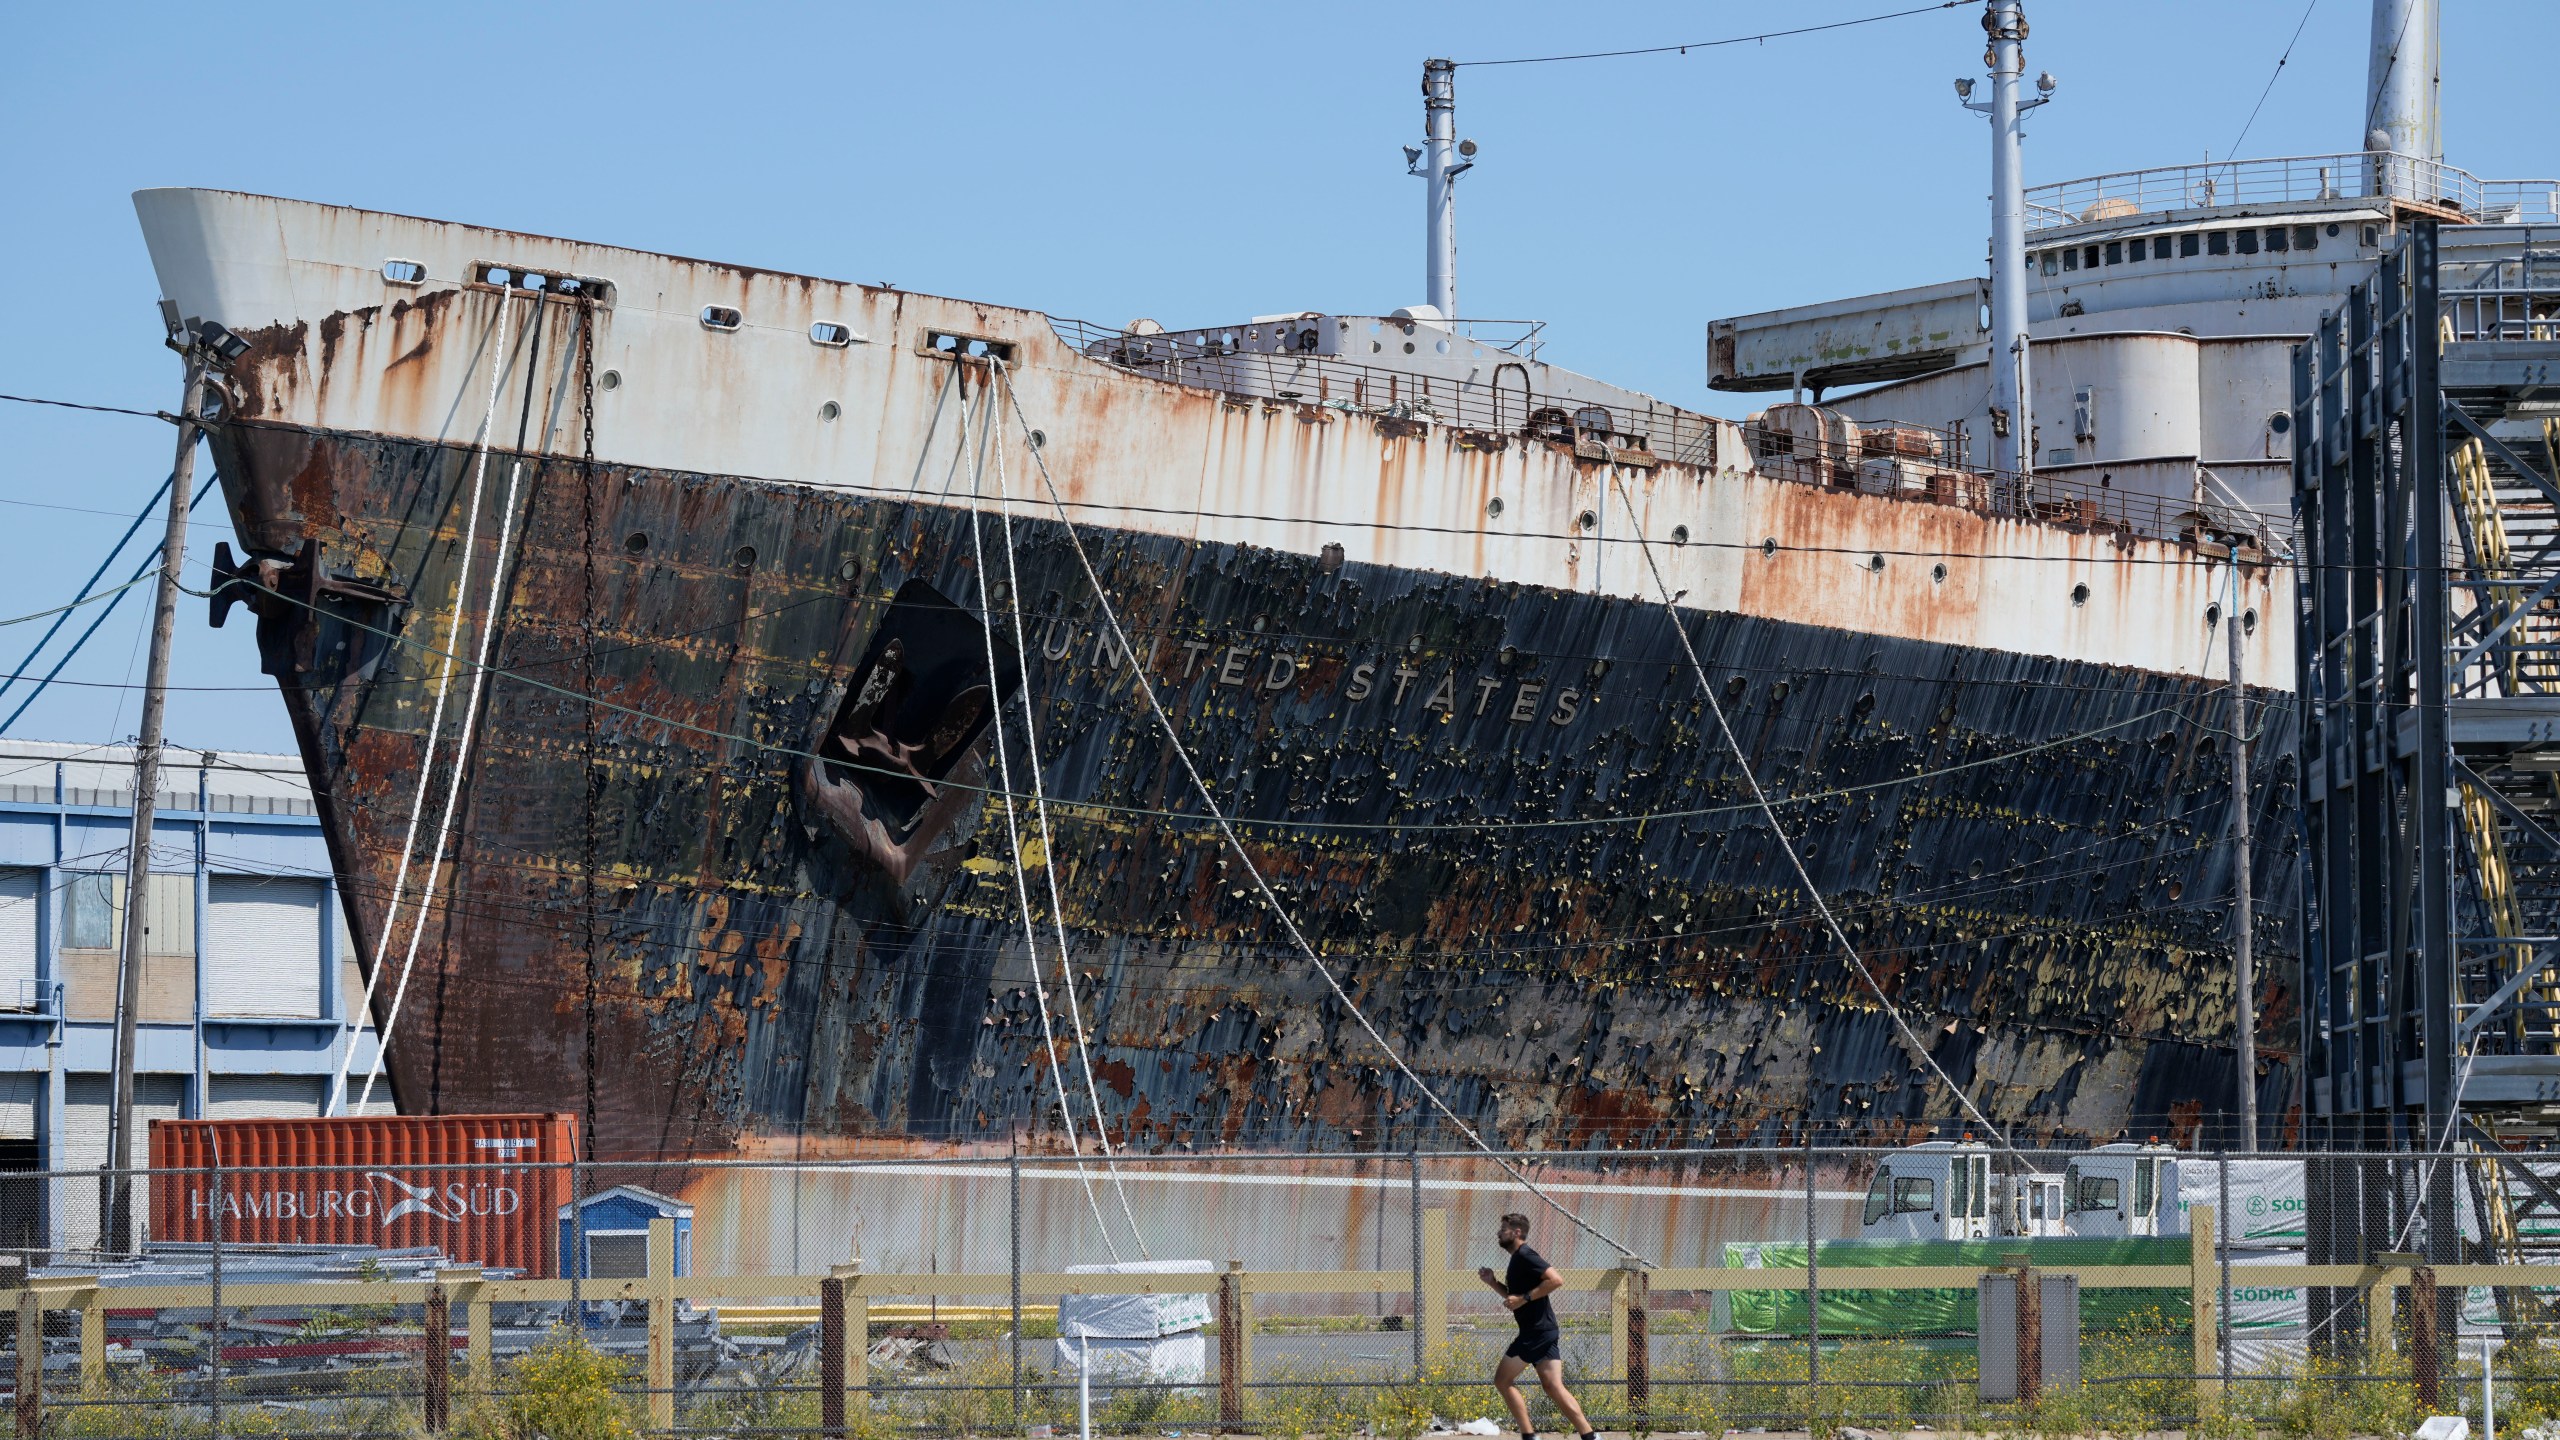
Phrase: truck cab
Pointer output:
(1936, 1190)
(2120, 1190)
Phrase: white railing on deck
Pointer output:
(2291, 180)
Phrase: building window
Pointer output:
(2115, 252)
(2276, 240)
(89, 912)
(18, 891)
(2188, 243)
(2248, 242)
(262, 946)
(2220, 242)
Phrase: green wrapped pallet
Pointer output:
(1848, 1312)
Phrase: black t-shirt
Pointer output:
(1528, 1267)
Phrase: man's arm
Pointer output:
(1485, 1274)
(1547, 1285)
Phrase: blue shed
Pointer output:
(616, 1225)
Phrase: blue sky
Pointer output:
(1192, 163)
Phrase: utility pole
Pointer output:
(2012, 426)
(2244, 978)
(204, 345)
(1440, 160)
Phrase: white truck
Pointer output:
(1951, 1190)
(2121, 1190)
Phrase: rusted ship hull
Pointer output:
(723, 847)
(1601, 983)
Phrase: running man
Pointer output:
(1524, 1289)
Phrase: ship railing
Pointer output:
(1506, 402)
(2292, 179)
(1910, 461)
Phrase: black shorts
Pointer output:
(1536, 1347)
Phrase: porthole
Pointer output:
(2249, 621)
(636, 543)
(1679, 534)
(1587, 520)
(1442, 346)
(2212, 615)
(1875, 564)
(831, 334)
(1493, 508)
(609, 380)
(721, 317)
(403, 272)
(1039, 439)
(1769, 547)
(2079, 594)
(1938, 573)
(830, 410)
(745, 559)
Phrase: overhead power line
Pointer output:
(1684, 49)
(2234, 152)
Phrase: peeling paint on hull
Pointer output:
(2054, 924)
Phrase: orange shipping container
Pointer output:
(484, 1189)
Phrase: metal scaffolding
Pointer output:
(2428, 666)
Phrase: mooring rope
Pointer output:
(460, 772)
(435, 729)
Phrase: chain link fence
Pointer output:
(1947, 1285)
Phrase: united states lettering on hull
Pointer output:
(1469, 749)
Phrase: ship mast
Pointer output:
(1440, 160)
(2012, 427)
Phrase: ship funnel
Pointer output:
(2401, 79)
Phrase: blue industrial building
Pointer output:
(251, 997)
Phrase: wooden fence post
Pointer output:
(2377, 1324)
(2204, 1294)
(662, 1323)
(1432, 1305)
(477, 1363)
(857, 1332)
(2426, 1367)
(1639, 1351)
(1231, 1343)
(93, 1339)
(1617, 1282)
(30, 1364)
(2030, 1335)
(831, 1348)
(437, 1337)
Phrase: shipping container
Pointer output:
(481, 1188)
